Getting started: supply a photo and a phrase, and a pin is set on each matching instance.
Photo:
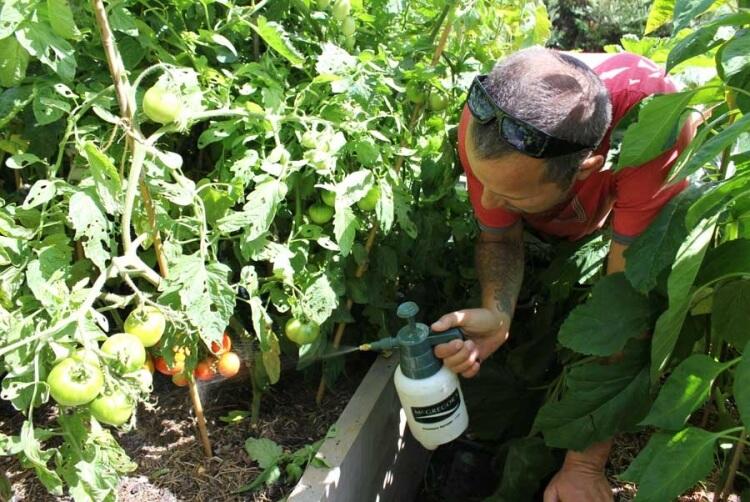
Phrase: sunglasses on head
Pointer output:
(519, 134)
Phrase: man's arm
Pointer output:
(499, 265)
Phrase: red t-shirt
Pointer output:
(633, 195)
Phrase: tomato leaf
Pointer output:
(49, 48)
(12, 14)
(106, 176)
(319, 300)
(264, 451)
(277, 38)
(345, 225)
(708, 152)
(685, 11)
(13, 62)
(704, 38)
(686, 389)
(92, 227)
(61, 19)
(614, 314)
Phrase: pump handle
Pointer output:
(438, 337)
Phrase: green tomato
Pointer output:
(370, 200)
(348, 27)
(73, 382)
(414, 93)
(341, 9)
(127, 350)
(143, 378)
(112, 408)
(329, 198)
(309, 140)
(350, 42)
(320, 214)
(300, 332)
(162, 105)
(215, 201)
(438, 101)
(147, 323)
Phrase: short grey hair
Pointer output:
(555, 93)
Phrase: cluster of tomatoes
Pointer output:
(321, 213)
(79, 379)
(221, 362)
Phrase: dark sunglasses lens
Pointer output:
(479, 104)
(522, 137)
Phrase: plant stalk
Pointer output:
(733, 466)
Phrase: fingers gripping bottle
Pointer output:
(430, 393)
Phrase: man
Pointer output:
(533, 140)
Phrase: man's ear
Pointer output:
(592, 164)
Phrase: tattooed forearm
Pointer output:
(500, 270)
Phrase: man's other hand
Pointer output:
(485, 329)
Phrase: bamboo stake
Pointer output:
(127, 112)
(362, 268)
(729, 483)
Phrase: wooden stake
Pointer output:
(362, 268)
(127, 111)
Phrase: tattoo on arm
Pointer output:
(500, 270)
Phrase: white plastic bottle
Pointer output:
(434, 406)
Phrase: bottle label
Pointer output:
(439, 411)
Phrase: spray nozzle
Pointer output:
(415, 341)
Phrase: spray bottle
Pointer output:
(430, 393)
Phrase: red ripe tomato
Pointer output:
(226, 345)
(205, 370)
(163, 368)
(229, 364)
(180, 380)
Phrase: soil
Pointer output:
(171, 463)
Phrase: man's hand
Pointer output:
(581, 477)
(486, 331)
(577, 484)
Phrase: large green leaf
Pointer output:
(49, 48)
(655, 249)
(711, 149)
(658, 126)
(527, 463)
(730, 317)
(277, 38)
(681, 278)
(660, 14)
(12, 14)
(13, 62)
(718, 197)
(731, 259)
(61, 18)
(734, 56)
(741, 387)
(686, 11)
(670, 465)
(614, 314)
(599, 400)
(686, 389)
(704, 38)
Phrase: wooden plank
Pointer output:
(373, 456)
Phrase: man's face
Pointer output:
(515, 183)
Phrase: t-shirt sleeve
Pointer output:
(489, 220)
(641, 192)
